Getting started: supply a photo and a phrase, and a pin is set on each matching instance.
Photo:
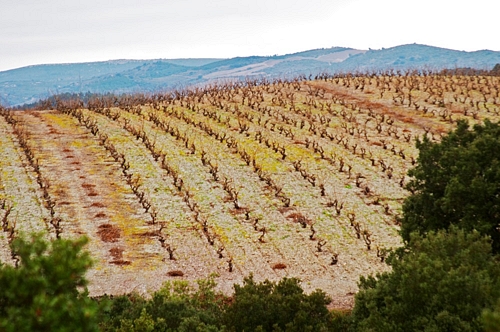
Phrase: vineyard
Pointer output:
(300, 178)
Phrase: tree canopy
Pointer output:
(281, 306)
(43, 292)
(446, 276)
(442, 283)
(456, 182)
(265, 306)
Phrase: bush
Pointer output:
(442, 283)
(42, 294)
(265, 306)
(456, 182)
(281, 306)
(175, 307)
(491, 319)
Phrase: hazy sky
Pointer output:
(55, 31)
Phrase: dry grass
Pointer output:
(175, 273)
(116, 253)
(109, 233)
(98, 205)
(120, 262)
(279, 266)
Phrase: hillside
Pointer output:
(299, 178)
(29, 84)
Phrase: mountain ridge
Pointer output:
(31, 83)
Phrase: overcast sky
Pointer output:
(62, 31)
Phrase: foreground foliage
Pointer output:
(175, 307)
(42, 293)
(265, 306)
(491, 319)
(277, 307)
(442, 283)
(456, 182)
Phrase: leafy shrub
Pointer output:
(175, 307)
(281, 306)
(456, 182)
(491, 319)
(42, 294)
(442, 283)
(265, 306)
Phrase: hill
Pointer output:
(29, 84)
(287, 177)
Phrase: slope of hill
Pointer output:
(414, 56)
(28, 84)
(289, 178)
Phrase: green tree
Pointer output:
(491, 319)
(281, 306)
(175, 307)
(456, 181)
(442, 283)
(43, 293)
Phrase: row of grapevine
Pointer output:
(276, 178)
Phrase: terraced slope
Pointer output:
(285, 178)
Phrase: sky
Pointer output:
(67, 31)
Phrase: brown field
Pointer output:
(279, 179)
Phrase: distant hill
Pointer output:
(421, 56)
(29, 84)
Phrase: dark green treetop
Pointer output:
(442, 283)
(45, 292)
(282, 306)
(456, 181)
